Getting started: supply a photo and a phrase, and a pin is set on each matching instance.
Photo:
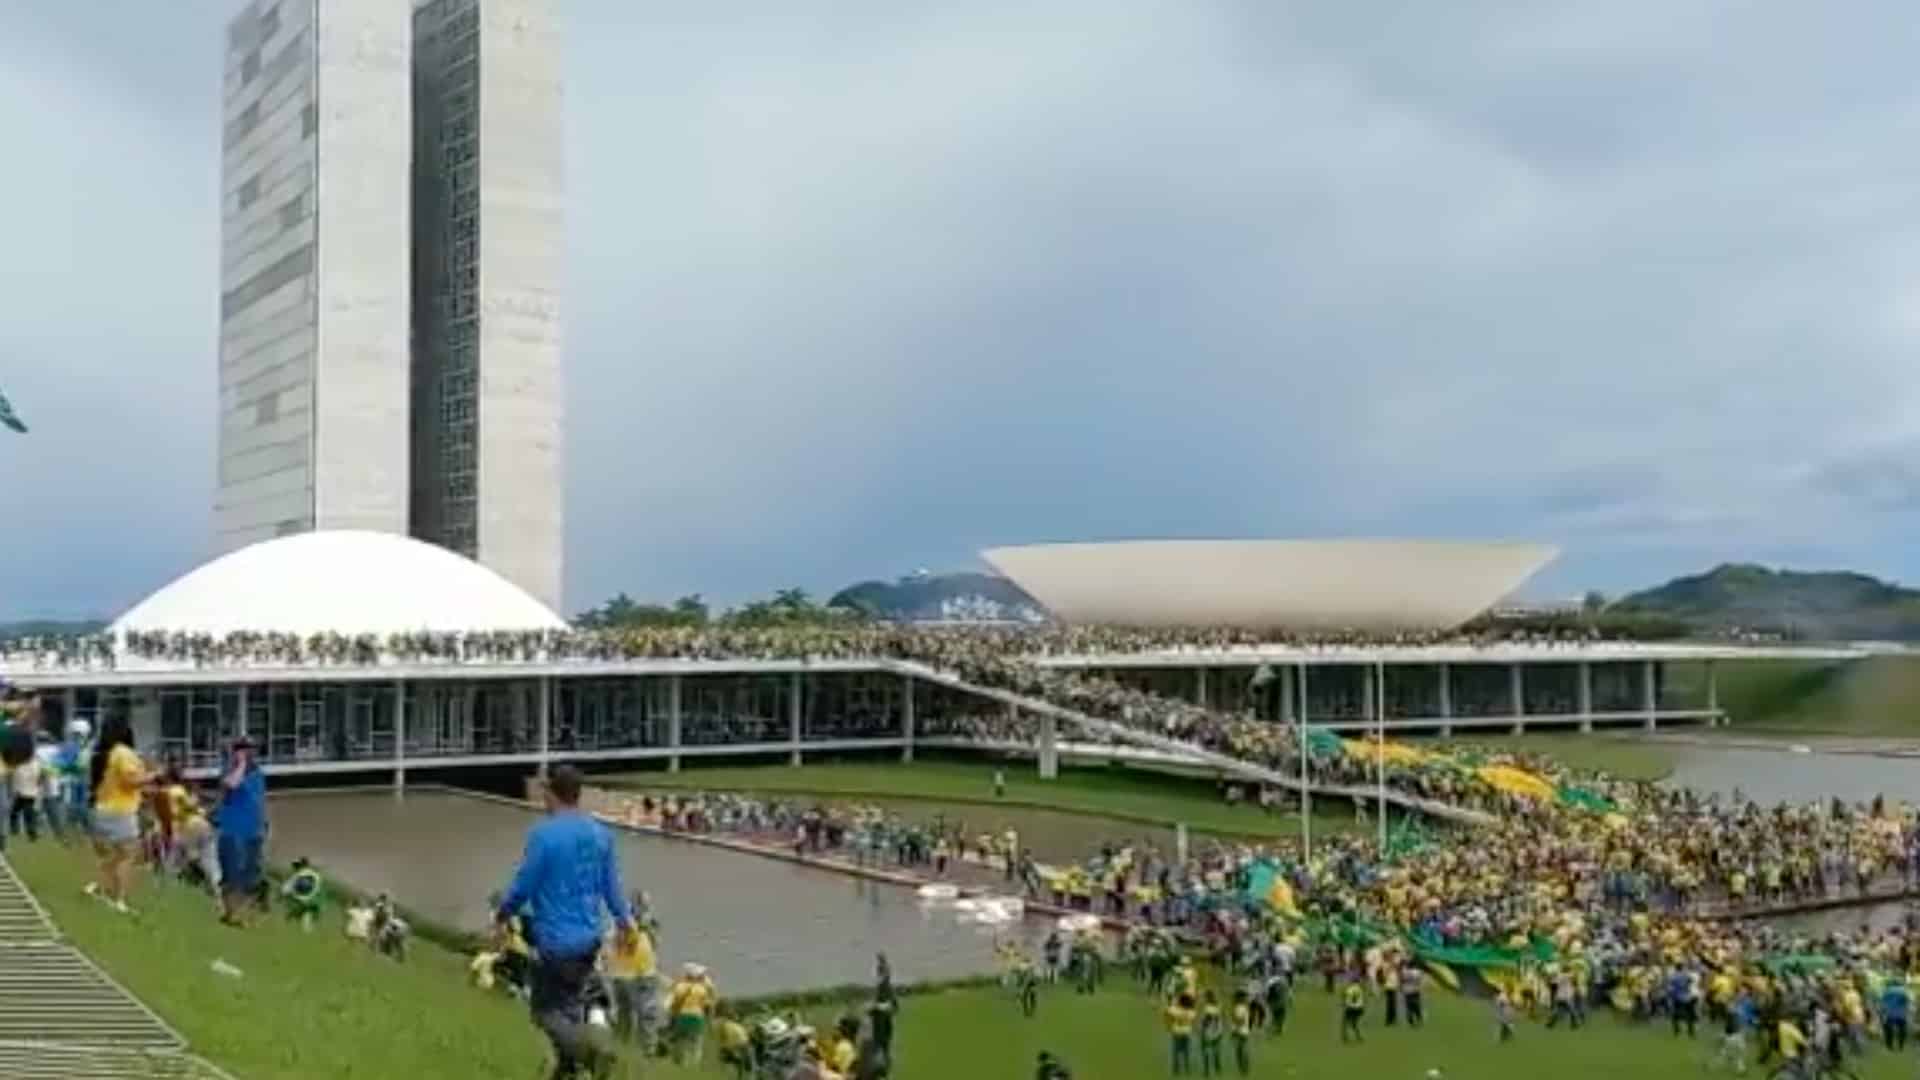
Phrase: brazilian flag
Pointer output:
(9, 418)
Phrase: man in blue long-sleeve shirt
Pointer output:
(567, 877)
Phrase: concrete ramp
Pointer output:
(61, 1016)
(1190, 753)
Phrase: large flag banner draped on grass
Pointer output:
(10, 418)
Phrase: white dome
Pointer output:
(1377, 585)
(341, 581)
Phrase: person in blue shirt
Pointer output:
(242, 822)
(1896, 1003)
(568, 879)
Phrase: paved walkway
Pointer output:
(61, 1016)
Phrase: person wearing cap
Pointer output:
(568, 879)
(692, 995)
(242, 825)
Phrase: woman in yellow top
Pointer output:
(117, 778)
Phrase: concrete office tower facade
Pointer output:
(488, 237)
(315, 221)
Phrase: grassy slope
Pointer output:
(1874, 697)
(316, 1007)
(306, 1005)
(1135, 795)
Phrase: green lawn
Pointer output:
(1621, 755)
(1876, 697)
(318, 1007)
(304, 1006)
(1135, 795)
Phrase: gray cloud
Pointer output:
(867, 288)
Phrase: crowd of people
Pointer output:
(1562, 910)
(824, 641)
(138, 814)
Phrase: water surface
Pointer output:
(760, 924)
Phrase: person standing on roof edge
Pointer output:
(569, 876)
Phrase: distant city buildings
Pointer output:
(392, 233)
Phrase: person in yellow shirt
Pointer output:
(1353, 1006)
(1180, 1017)
(117, 778)
(632, 970)
(736, 1046)
(1242, 1028)
(687, 1006)
(1791, 1040)
(844, 1047)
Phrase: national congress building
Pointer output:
(390, 276)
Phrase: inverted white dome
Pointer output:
(343, 581)
(1377, 585)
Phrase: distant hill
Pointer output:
(49, 627)
(964, 597)
(1823, 605)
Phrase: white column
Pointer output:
(1049, 747)
(793, 716)
(1368, 702)
(1287, 691)
(1518, 686)
(673, 723)
(1380, 748)
(70, 704)
(1586, 695)
(1446, 701)
(1200, 687)
(399, 733)
(1306, 783)
(1649, 701)
(546, 723)
(1713, 696)
(906, 717)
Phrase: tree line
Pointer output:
(786, 607)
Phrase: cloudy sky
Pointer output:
(866, 288)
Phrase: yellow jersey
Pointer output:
(1242, 1020)
(1179, 1020)
(840, 1055)
(632, 955)
(120, 783)
(690, 998)
(1793, 1041)
(731, 1035)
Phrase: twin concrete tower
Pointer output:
(392, 235)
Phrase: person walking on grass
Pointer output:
(1243, 1025)
(567, 879)
(1180, 1020)
(1353, 1007)
(116, 776)
(242, 825)
(1412, 996)
(1213, 1032)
